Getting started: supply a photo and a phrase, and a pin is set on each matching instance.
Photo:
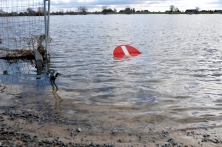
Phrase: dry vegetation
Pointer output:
(34, 42)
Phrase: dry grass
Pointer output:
(19, 54)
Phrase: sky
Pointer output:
(151, 5)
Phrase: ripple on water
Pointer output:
(177, 78)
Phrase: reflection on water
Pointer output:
(177, 79)
(22, 78)
(55, 89)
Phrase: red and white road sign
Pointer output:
(125, 51)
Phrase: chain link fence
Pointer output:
(22, 27)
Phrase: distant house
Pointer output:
(145, 11)
(191, 11)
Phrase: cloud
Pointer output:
(60, 1)
(215, 2)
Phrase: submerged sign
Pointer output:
(125, 51)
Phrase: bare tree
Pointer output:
(197, 9)
(172, 8)
(128, 10)
(31, 12)
(61, 12)
(176, 9)
(82, 9)
(1, 11)
(104, 8)
(40, 11)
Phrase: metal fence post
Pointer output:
(47, 22)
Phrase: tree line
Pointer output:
(28, 12)
(197, 10)
(104, 10)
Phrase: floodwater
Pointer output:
(175, 82)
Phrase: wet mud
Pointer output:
(39, 122)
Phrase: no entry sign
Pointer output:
(125, 51)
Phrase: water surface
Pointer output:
(176, 82)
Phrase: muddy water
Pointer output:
(175, 83)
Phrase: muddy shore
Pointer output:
(39, 123)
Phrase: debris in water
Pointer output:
(28, 54)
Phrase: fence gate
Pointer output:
(24, 25)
